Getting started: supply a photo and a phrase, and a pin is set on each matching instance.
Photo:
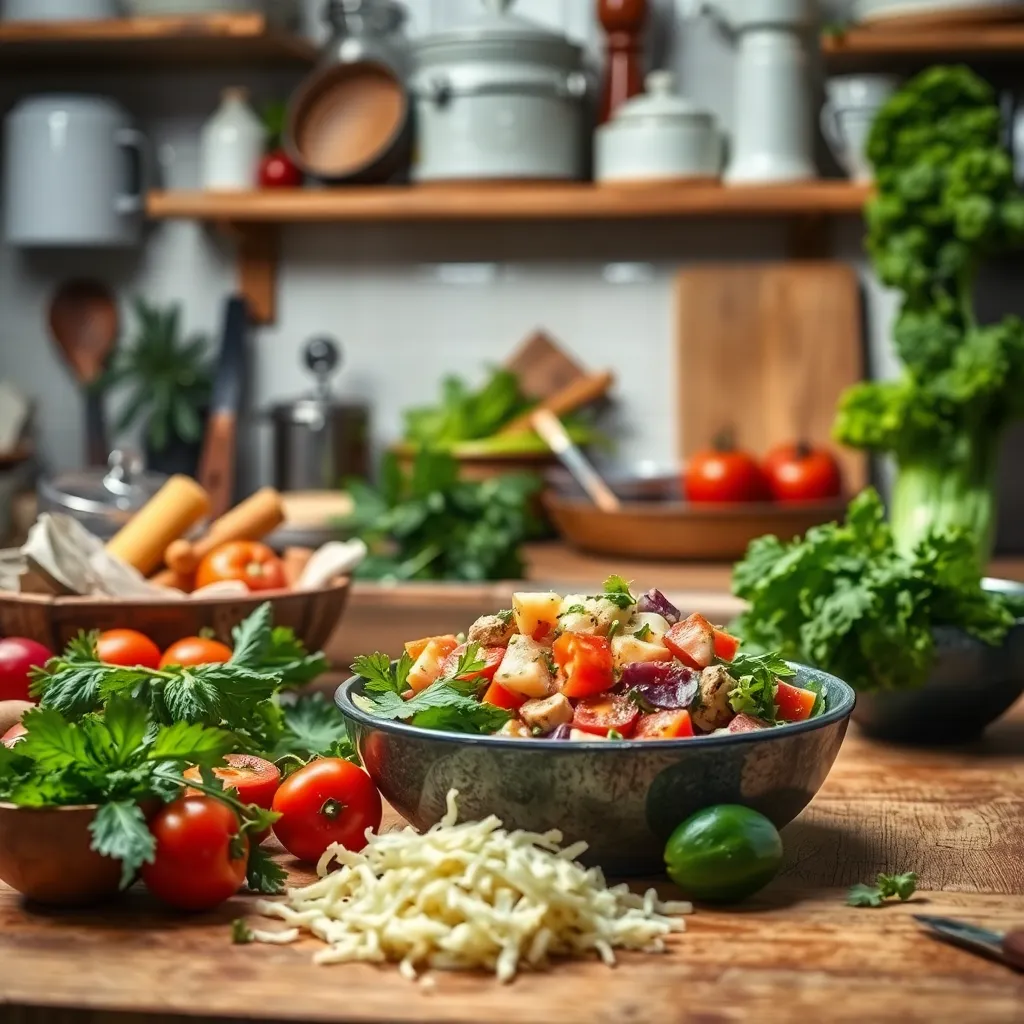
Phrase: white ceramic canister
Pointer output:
(74, 173)
(499, 98)
(231, 145)
(658, 136)
(59, 10)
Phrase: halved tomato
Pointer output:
(497, 695)
(726, 645)
(794, 703)
(254, 780)
(600, 715)
(490, 656)
(586, 663)
(664, 725)
(692, 641)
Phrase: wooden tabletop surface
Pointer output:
(795, 952)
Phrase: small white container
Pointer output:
(658, 136)
(232, 145)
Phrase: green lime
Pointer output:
(723, 854)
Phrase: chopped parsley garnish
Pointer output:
(616, 590)
(644, 632)
(887, 887)
(575, 609)
(757, 677)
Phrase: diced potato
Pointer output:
(513, 727)
(524, 669)
(713, 710)
(585, 737)
(593, 615)
(626, 650)
(492, 630)
(427, 667)
(536, 614)
(548, 714)
(657, 624)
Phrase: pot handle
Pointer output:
(133, 143)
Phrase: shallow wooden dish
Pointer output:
(654, 522)
(53, 621)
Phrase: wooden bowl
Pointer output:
(654, 523)
(485, 466)
(53, 621)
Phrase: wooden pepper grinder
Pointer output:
(623, 22)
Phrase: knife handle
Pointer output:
(1013, 949)
(216, 471)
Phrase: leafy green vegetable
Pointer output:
(311, 726)
(428, 524)
(241, 933)
(261, 646)
(757, 677)
(470, 663)
(887, 887)
(946, 201)
(616, 590)
(644, 632)
(380, 675)
(846, 599)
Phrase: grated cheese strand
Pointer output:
(465, 896)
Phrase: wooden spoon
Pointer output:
(550, 428)
(84, 323)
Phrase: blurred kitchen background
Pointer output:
(413, 302)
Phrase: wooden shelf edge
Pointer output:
(964, 42)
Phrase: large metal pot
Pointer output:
(500, 98)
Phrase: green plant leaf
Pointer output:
(119, 831)
(52, 742)
(191, 742)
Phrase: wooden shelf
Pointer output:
(881, 46)
(500, 203)
(132, 43)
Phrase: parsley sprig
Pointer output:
(887, 887)
(757, 680)
(616, 590)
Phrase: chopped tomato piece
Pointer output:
(726, 645)
(692, 641)
(794, 703)
(497, 695)
(585, 662)
(427, 667)
(664, 725)
(414, 648)
(600, 715)
(490, 656)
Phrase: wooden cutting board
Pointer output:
(764, 351)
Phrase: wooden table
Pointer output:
(795, 952)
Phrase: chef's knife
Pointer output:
(217, 465)
(1007, 949)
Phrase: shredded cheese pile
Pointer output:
(469, 895)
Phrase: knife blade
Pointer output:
(1007, 948)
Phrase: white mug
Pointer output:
(847, 116)
(74, 173)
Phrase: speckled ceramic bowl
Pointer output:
(623, 798)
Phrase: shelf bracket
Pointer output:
(257, 258)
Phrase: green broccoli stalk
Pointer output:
(946, 201)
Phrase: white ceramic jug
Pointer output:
(772, 138)
(231, 145)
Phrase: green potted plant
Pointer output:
(169, 379)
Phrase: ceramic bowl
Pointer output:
(624, 798)
(970, 686)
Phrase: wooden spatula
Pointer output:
(550, 428)
(579, 393)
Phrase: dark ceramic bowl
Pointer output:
(970, 686)
(623, 798)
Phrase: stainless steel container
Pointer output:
(318, 441)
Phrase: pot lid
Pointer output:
(661, 100)
(125, 486)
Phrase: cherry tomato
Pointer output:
(490, 656)
(497, 695)
(278, 171)
(246, 560)
(328, 801)
(18, 656)
(196, 650)
(797, 472)
(253, 779)
(664, 725)
(692, 641)
(600, 715)
(725, 475)
(127, 647)
(586, 662)
(726, 645)
(794, 703)
(13, 735)
(200, 855)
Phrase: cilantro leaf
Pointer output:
(441, 706)
(251, 638)
(263, 874)
(470, 663)
(616, 590)
(191, 742)
(52, 742)
(119, 830)
(864, 896)
(757, 678)
(904, 886)
(380, 675)
(126, 723)
(644, 632)
(313, 725)
(216, 693)
(288, 657)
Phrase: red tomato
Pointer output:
(586, 662)
(13, 735)
(724, 476)
(278, 171)
(414, 648)
(200, 855)
(196, 650)
(692, 641)
(253, 779)
(328, 801)
(127, 647)
(664, 725)
(491, 657)
(726, 645)
(797, 472)
(18, 656)
(247, 560)
(794, 703)
(600, 715)
(497, 695)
